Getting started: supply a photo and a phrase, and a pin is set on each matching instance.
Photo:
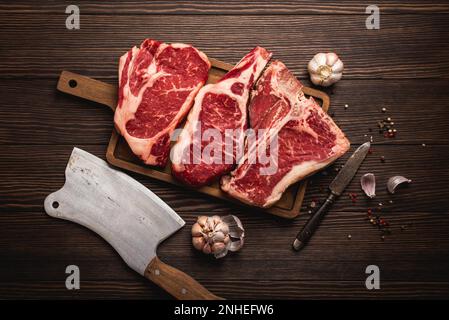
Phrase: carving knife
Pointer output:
(336, 189)
(127, 215)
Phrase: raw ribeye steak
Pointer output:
(307, 140)
(208, 145)
(158, 83)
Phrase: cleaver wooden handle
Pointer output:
(176, 282)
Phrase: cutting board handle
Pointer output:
(88, 88)
(176, 282)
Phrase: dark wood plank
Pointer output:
(405, 46)
(31, 172)
(35, 246)
(226, 7)
(262, 289)
(419, 110)
(404, 67)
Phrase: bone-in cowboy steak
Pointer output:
(157, 86)
(308, 140)
(205, 149)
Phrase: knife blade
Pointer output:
(130, 217)
(336, 188)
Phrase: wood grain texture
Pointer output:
(61, 119)
(263, 289)
(406, 46)
(227, 7)
(403, 67)
(35, 171)
(330, 255)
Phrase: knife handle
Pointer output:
(312, 224)
(176, 282)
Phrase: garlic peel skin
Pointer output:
(395, 181)
(325, 69)
(218, 235)
(368, 183)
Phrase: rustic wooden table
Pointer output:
(403, 66)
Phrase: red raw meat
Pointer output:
(222, 107)
(158, 83)
(307, 138)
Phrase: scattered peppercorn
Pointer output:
(384, 109)
(382, 159)
(349, 236)
(353, 197)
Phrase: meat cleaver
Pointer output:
(127, 215)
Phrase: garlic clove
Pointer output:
(331, 58)
(207, 248)
(313, 66)
(316, 79)
(395, 181)
(218, 237)
(368, 183)
(202, 220)
(215, 220)
(334, 78)
(223, 227)
(197, 230)
(320, 58)
(338, 66)
(218, 246)
(198, 243)
(210, 224)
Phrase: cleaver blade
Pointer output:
(131, 218)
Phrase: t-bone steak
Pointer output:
(158, 83)
(307, 140)
(208, 146)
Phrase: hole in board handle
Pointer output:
(55, 204)
(72, 83)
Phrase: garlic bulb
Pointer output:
(325, 69)
(218, 235)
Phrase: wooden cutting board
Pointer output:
(120, 155)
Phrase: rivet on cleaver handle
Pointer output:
(127, 215)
